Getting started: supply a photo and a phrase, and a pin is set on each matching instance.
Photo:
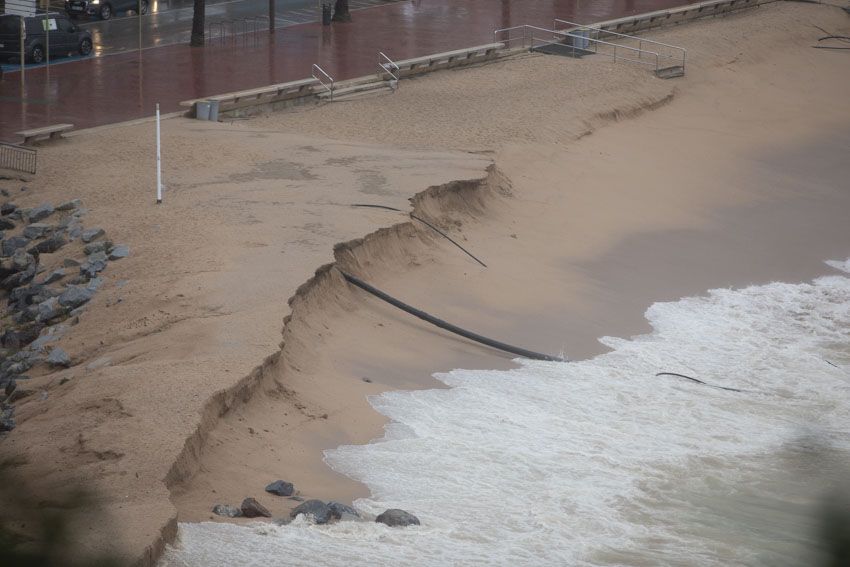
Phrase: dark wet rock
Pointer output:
(6, 224)
(13, 243)
(54, 276)
(9, 385)
(40, 212)
(21, 260)
(97, 246)
(395, 518)
(75, 296)
(50, 309)
(92, 234)
(22, 296)
(69, 205)
(226, 510)
(94, 264)
(50, 244)
(119, 251)
(21, 336)
(37, 230)
(7, 419)
(70, 263)
(19, 279)
(342, 512)
(253, 509)
(8, 208)
(281, 488)
(314, 510)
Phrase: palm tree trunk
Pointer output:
(197, 38)
(341, 13)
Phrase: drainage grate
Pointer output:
(17, 158)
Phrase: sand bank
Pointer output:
(729, 176)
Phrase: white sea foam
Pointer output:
(602, 462)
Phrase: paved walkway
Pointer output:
(105, 90)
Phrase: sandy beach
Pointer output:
(591, 189)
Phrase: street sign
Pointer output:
(20, 7)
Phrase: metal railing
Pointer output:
(677, 55)
(385, 66)
(585, 43)
(329, 85)
(18, 158)
(246, 29)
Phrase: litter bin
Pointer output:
(206, 110)
(202, 110)
(583, 39)
(326, 14)
(213, 110)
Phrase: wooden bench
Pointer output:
(53, 132)
(448, 58)
(257, 96)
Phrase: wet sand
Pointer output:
(592, 194)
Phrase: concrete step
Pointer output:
(670, 72)
(349, 91)
(562, 49)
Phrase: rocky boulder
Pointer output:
(37, 230)
(40, 212)
(11, 244)
(69, 205)
(342, 512)
(50, 244)
(6, 224)
(59, 357)
(97, 246)
(119, 251)
(8, 208)
(75, 296)
(252, 509)
(226, 510)
(95, 264)
(315, 511)
(281, 488)
(397, 518)
(91, 234)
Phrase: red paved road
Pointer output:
(105, 90)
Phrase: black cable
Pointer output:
(698, 381)
(448, 326)
(423, 221)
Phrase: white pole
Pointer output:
(158, 161)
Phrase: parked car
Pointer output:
(65, 37)
(104, 9)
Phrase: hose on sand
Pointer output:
(448, 326)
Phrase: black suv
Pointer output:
(104, 9)
(65, 37)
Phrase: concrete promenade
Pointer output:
(105, 90)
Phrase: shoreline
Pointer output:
(322, 368)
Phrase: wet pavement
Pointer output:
(124, 86)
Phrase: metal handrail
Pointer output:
(596, 42)
(640, 40)
(385, 68)
(330, 79)
(18, 158)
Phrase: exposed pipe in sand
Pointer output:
(423, 221)
(698, 381)
(448, 326)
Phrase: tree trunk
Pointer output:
(341, 13)
(197, 39)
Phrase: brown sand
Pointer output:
(736, 176)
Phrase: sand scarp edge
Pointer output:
(359, 255)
